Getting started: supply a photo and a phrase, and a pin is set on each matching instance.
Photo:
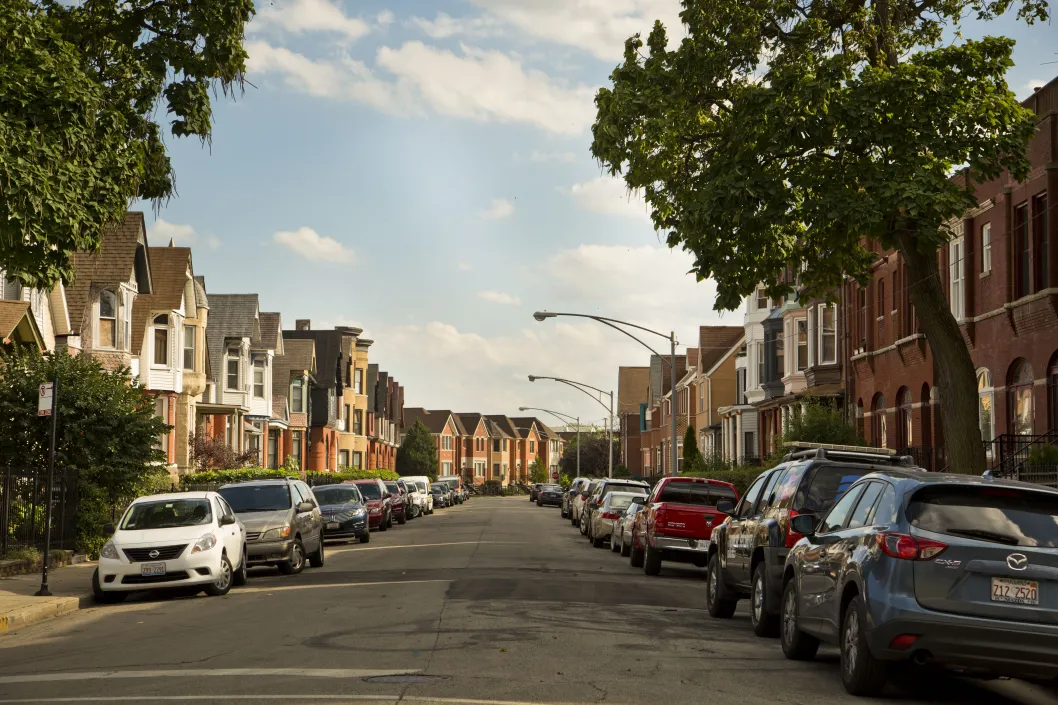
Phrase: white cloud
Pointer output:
(609, 195)
(500, 209)
(499, 297)
(314, 247)
(1034, 84)
(465, 266)
(385, 18)
(301, 16)
(562, 157)
(163, 231)
(445, 26)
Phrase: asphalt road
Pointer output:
(495, 601)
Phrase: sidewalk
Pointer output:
(71, 589)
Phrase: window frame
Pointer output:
(800, 326)
(1040, 244)
(1022, 261)
(957, 277)
(189, 335)
(113, 301)
(259, 366)
(160, 340)
(298, 383)
(986, 248)
(228, 359)
(821, 310)
(987, 391)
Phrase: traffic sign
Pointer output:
(44, 399)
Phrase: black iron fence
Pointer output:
(1012, 454)
(24, 495)
(922, 456)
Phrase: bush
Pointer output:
(565, 480)
(344, 474)
(1043, 455)
(221, 477)
(714, 467)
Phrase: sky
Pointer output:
(421, 169)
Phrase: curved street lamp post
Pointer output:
(564, 418)
(671, 337)
(581, 386)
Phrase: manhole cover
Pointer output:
(406, 679)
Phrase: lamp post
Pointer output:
(671, 337)
(609, 423)
(565, 419)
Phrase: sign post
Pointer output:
(46, 404)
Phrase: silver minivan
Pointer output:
(284, 525)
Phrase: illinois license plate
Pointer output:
(152, 569)
(333, 526)
(1018, 592)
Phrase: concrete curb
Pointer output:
(41, 609)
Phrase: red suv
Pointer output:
(378, 501)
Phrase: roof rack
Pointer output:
(803, 450)
(834, 446)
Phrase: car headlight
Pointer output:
(359, 513)
(376, 510)
(109, 550)
(205, 543)
(279, 533)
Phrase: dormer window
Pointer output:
(297, 396)
(161, 340)
(108, 319)
(259, 378)
(232, 381)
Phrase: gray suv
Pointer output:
(946, 570)
(284, 526)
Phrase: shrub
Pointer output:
(209, 452)
(1043, 455)
(221, 477)
(344, 474)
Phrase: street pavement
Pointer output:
(494, 601)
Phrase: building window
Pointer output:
(880, 315)
(1039, 240)
(532, 446)
(496, 445)
(762, 299)
(495, 471)
(861, 305)
(986, 248)
(801, 324)
(357, 459)
(828, 334)
(505, 444)
(740, 385)
(1052, 391)
(879, 425)
(749, 450)
(273, 449)
(161, 340)
(161, 410)
(358, 422)
(189, 347)
(126, 322)
(986, 397)
(758, 350)
(446, 468)
(1021, 251)
(358, 381)
(904, 426)
(297, 396)
(259, 378)
(232, 381)
(343, 458)
(295, 447)
(1022, 413)
(956, 276)
(108, 319)
(860, 431)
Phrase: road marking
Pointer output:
(313, 697)
(423, 545)
(282, 588)
(203, 672)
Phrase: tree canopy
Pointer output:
(537, 471)
(801, 134)
(81, 85)
(594, 458)
(417, 454)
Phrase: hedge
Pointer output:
(221, 477)
(740, 477)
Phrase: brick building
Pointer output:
(633, 394)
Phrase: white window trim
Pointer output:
(957, 278)
(193, 330)
(819, 323)
(168, 343)
(303, 385)
(264, 379)
(986, 248)
(116, 318)
(797, 345)
(238, 371)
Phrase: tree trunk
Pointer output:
(955, 378)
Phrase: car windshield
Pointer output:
(452, 483)
(336, 495)
(392, 487)
(257, 498)
(167, 514)
(421, 485)
(825, 485)
(370, 491)
(438, 489)
(1012, 517)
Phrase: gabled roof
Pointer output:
(715, 342)
(298, 356)
(505, 424)
(522, 424)
(328, 353)
(433, 420)
(17, 324)
(495, 430)
(230, 316)
(545, 431)
(271, 332)
(470, 422)
(170, 268)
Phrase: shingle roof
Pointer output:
(170, 267)
(495, 430)
(469, 422)
(523, 423)
(433, 420)
(115, 262)
(715, 342)
(328, 352)
(297, 355)
(230, 316)
(271, 336)
(504, 424)
(12, 313)
(200, 292)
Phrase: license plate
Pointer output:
(702, 545)
(152, 569)
(1018, 592)
(333, 526)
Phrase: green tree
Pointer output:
(417, 454)
(82, 86)
(692, 457)
(820, 422)
(594, 459)
(106, 429)
(809, 132)
(537, 471)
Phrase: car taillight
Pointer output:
(659, 519)
(610, 515)
(908, 548)
(792, 537)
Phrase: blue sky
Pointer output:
(421, 169)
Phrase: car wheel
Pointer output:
(718, 606)
(861, 673)
(597, 541)
(102, 596)
(572, 520)
(797, 645)
(635, 556)
(626, 548)
(652, 561)
(297, 560)
(584, 525)
(402, 520)
(224, 580)
(366, 538)
(764, 623)
(382, 525)
(240, 577)
(614, 546)
(316, 559)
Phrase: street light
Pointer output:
(560, 416)
(581, 386)
(614, 323)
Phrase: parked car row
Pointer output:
(210, 539)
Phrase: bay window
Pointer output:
(161, 340)
(108, 319)
(801, 326)
(189, 347)
(826, 320)
(232, 381)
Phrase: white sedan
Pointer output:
(172, 540)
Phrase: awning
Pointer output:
(216, 409)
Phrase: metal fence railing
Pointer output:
(23, 509)
(1010, 452)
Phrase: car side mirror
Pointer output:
(725, 506)
(305, 507)
(804, 524)
(108, 529)
(227, 520)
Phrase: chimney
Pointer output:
(303, 324)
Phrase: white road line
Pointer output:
(313, 697)
(284, 588)
(204, 672)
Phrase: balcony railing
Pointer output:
(1011, 456)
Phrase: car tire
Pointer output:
(718, 606)
(861, 673)
(764, 623)
(584, 526)
(102, 596)
(635, 556)
(240, 577)
(626, 548)
(316, 560)
(614, 546)
(382, 525)
(652, 561)
(597, 541)
(296, 564)
(402, 520)
(227, 576)
(572, 520)
(366, 538)
(797, 645)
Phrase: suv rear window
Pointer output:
(1012, 517)
(370, 490)
(825, 484)
(698, 493)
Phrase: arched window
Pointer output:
(161, 340)
(879, 425)
(860, 430)
(108, 319)
(986, 403)
(1022, 413)
(1052, 392)
(904, 431)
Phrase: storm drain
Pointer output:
(404, 680)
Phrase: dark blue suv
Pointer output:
(947, 570)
